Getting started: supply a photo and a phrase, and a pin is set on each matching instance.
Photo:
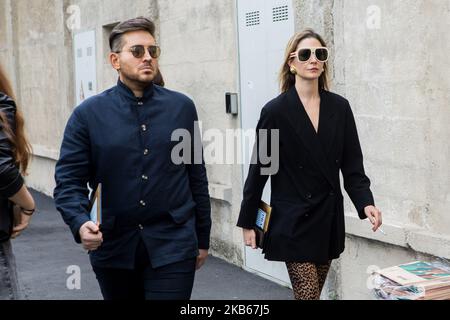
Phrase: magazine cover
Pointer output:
(416, 272)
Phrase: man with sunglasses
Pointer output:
(155, 225)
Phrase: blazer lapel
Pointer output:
(300, 122)
(327, 122)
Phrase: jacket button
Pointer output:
(140, 103)
(146, 152)
(144, 127)
(141, 227)
(337, 161)
(144, 177)
(308, 196)
(331, 193)
(142, 203)
(306, 215)
(300, 166)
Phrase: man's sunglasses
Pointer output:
(138, 51)
(304, 54)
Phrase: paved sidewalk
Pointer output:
(46, 250)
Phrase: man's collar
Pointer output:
(128, 93)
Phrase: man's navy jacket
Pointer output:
(124, 143)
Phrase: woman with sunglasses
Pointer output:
(317, 139)
(16, 202)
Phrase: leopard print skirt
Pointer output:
(307, 279)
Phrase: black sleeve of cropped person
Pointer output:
(10, 178)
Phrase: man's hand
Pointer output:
(249, 238)
(90, 235)
(374, 216)
(201, 258)
(21, 222)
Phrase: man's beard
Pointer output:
(139, 80)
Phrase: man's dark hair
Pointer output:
(159, 80)
(135, 24)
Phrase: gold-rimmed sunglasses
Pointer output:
(138, 51)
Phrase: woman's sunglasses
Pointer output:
(138, 51)
(304, 54)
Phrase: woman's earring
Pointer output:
(293, 70)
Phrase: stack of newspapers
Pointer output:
(414, 281)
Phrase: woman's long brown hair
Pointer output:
(20, 146)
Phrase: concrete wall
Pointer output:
(35, 57)
(387, 58)
(6, 40)
(199, 58)
(388, 62)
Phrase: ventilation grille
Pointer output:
(280, 13)
(252, 18)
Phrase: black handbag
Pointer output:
(6, 219)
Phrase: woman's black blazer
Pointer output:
(307, 223)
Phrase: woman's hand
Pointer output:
(22, 199)
(21, 222)
(249, 238)
(374, 216)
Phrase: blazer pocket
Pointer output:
(291, 208)
(173, 174)
(182, 214)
